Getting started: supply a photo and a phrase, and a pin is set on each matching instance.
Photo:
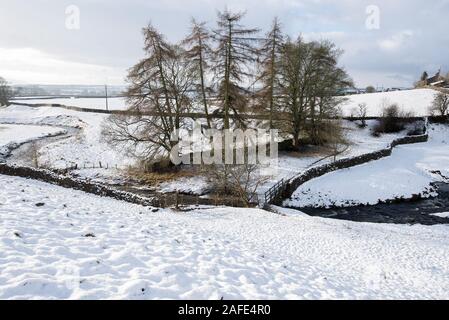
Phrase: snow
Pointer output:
(102, 175)
(416, 101)
(88, 149)
(441, 215)
(10, 133)
(85, 148)
(91, 103)
(360, 141)
(195, 185)
(13, 135)
(58, 243)
(406, 173)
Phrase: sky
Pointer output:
(385, 43)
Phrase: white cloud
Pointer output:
(110, 37)
(28, 65)
(329, 35)
(396, 41)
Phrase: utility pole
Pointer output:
(106, 92)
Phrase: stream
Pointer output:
(407, 212)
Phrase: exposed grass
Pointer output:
(154, 178)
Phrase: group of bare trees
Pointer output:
(310, 82)
(5, 92)
(227, 73)
(440, 104)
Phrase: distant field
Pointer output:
(93, 103)
(416, 101)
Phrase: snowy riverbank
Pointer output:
(60, 243)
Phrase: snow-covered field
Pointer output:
(405, 173)
(65, 244)
(360, 141)
(416, 101)
(12, 135)
(22, 133)
(86, 147)
(92, 103)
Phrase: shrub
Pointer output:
(416, 128)
(392, 120)
(239, 181)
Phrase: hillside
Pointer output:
(65, 244)
(416, 101)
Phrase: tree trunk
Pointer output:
(227, 78)
(203, 90)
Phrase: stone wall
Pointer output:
(294, 183)
(73, 183)
(156, 199)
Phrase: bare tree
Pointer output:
(293, 93)
(440, 104)
(5, 92)
(199, 50)
(334, 132)
(270, 52)
(362, 112)
(327, 81)
(234, 54)
(159, 83)
(311, 80)
(240, 181)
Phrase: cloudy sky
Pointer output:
(37, 47)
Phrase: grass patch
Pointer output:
(154, 178)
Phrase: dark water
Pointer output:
(413, 212)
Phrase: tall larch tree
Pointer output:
(235, 54)
(199, 51)
(270, 52)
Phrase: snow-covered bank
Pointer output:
(21, 133)
(416, 101)
(59, 243)
(85, 148)
(360, 141)
(407, 172)
(13, 135)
